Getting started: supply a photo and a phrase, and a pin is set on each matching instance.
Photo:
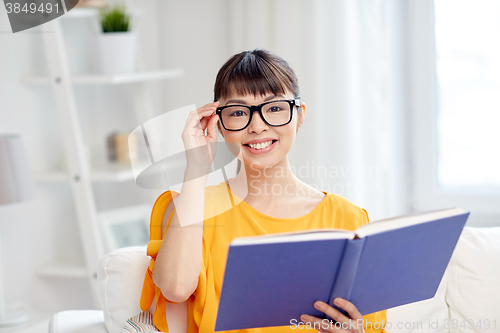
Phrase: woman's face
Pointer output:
(281, 138)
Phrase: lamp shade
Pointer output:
(16, 181)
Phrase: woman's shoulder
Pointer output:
(218, 199)
(340, 201)
(349, 215)
(218, 189)
(216, 193)
(211, 191)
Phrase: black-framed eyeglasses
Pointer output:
(273, 113)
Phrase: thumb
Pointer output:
(212, 127)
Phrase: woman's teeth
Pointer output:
(260, 145)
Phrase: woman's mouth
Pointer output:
(260, 148)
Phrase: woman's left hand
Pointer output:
(353, 323)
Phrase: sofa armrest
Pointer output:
(78, 321)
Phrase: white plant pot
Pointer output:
(117, 52)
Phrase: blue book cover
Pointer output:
(271, 280)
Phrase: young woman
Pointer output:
(257, 109)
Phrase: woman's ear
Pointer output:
(301, 114)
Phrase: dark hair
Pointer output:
(256, 72)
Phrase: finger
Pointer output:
(212, 127)
(205, 112)
(208, 120)
(205, 117)
(211, 106)
(204, 122)
(191, 119)
(195, 117)
(198, 114)
(205, 109)
(331, 311)
(317, 323)
(351, 309)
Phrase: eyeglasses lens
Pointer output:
(237, 117)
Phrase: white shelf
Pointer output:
(141, 76)
(105, 173)
(88, 12)
(63, 270)
(83, 12)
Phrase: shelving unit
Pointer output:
(71, 270)
(89, 12)
(78, 173)
(136, 77)
(104, 173)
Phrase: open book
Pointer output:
(272, 279)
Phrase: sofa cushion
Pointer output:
(468, 294)
(473, 291)
(427, 316)
(120, 277)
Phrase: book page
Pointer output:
(295, 236)
(405, 221)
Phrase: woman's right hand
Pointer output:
(200, 147)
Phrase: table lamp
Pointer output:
(16, 185)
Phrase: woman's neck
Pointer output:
(273, 183)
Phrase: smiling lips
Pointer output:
(260, 147)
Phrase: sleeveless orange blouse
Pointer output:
(227, 217)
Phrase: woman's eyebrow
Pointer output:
(239, 101)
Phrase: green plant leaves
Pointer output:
(114, 19)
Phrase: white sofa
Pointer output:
(468, 298)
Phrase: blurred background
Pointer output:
(402, 116)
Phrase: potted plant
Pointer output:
(117, 43)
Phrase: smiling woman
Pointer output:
(257, 108)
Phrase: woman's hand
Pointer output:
(353, 323)
(200, 147)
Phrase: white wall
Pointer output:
(186, 34)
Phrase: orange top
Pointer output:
(239, 220)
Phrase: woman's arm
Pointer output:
(178, 262)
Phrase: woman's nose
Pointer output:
(257, 125)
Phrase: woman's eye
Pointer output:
(274, 109)
(238, 113)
